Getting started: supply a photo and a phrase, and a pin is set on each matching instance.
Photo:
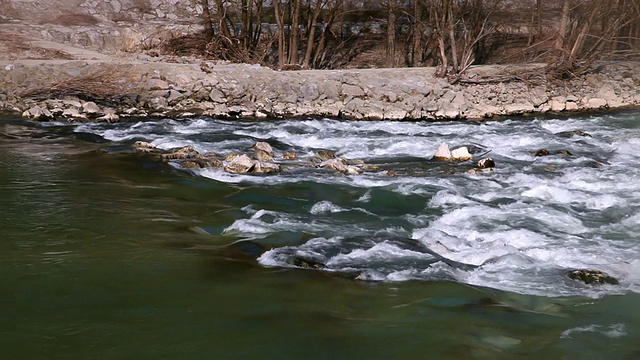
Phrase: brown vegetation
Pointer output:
(73, 20)
(110, 84)
(451, 34)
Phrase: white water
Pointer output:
(521, 227)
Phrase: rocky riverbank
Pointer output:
(110, 90)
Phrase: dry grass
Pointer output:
(106, 84)
(73, 20)
(14, 46)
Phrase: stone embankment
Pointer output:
(108, 91)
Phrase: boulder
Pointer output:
(144, 146)
(239, 164)
(263, 146)
(90, 108)
(459, 154)
(262, 155)
(592, 277)
(443, 153)
(186, 152)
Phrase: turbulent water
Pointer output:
(440, 239)
(520, 227)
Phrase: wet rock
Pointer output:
(340, 165)
(239, 164)
(592, 277)
(266, 167)
(144, 146)
(201, 162)
(262, 155)
(308, 264)
(460, 154)
(263, 151)
(542, 152)
(571, 133)
(289, 156)
(323, 155)
(486, 163)
(546, 152)
(444, 154)
(369, 167)
(187, 152)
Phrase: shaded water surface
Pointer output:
(106, 253)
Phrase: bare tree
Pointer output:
(391, 33)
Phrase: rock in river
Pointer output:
(592, 277)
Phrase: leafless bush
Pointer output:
(112, 83)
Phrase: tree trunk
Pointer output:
(320, 52)
(224, 24)
(281, 40)
(294, 40)
(418, 50)
(245, 23)
(452, 37)
(564, 23)
(391, 34)
(311, 34)
(206, 17)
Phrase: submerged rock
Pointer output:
(571, 133)
(545, 152)
(341, 165)
(482, 166)
(289, 156)
(592, 277)
(486, 163)
(326, 154)
(308, 264)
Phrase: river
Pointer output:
(106, 253)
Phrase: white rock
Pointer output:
(443, 153)
(461, 154)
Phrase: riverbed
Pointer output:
(107, 253)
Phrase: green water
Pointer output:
(101, 258)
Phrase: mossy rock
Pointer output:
(592, 277)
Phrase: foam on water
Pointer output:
(519, 228)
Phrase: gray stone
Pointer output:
(174, 96)
(596, 103)
(73, 113)
(157, 103)
(518, 109)
(217, 96)
(310, 92)
(90, 108)
(352, 91)
(157, 84)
